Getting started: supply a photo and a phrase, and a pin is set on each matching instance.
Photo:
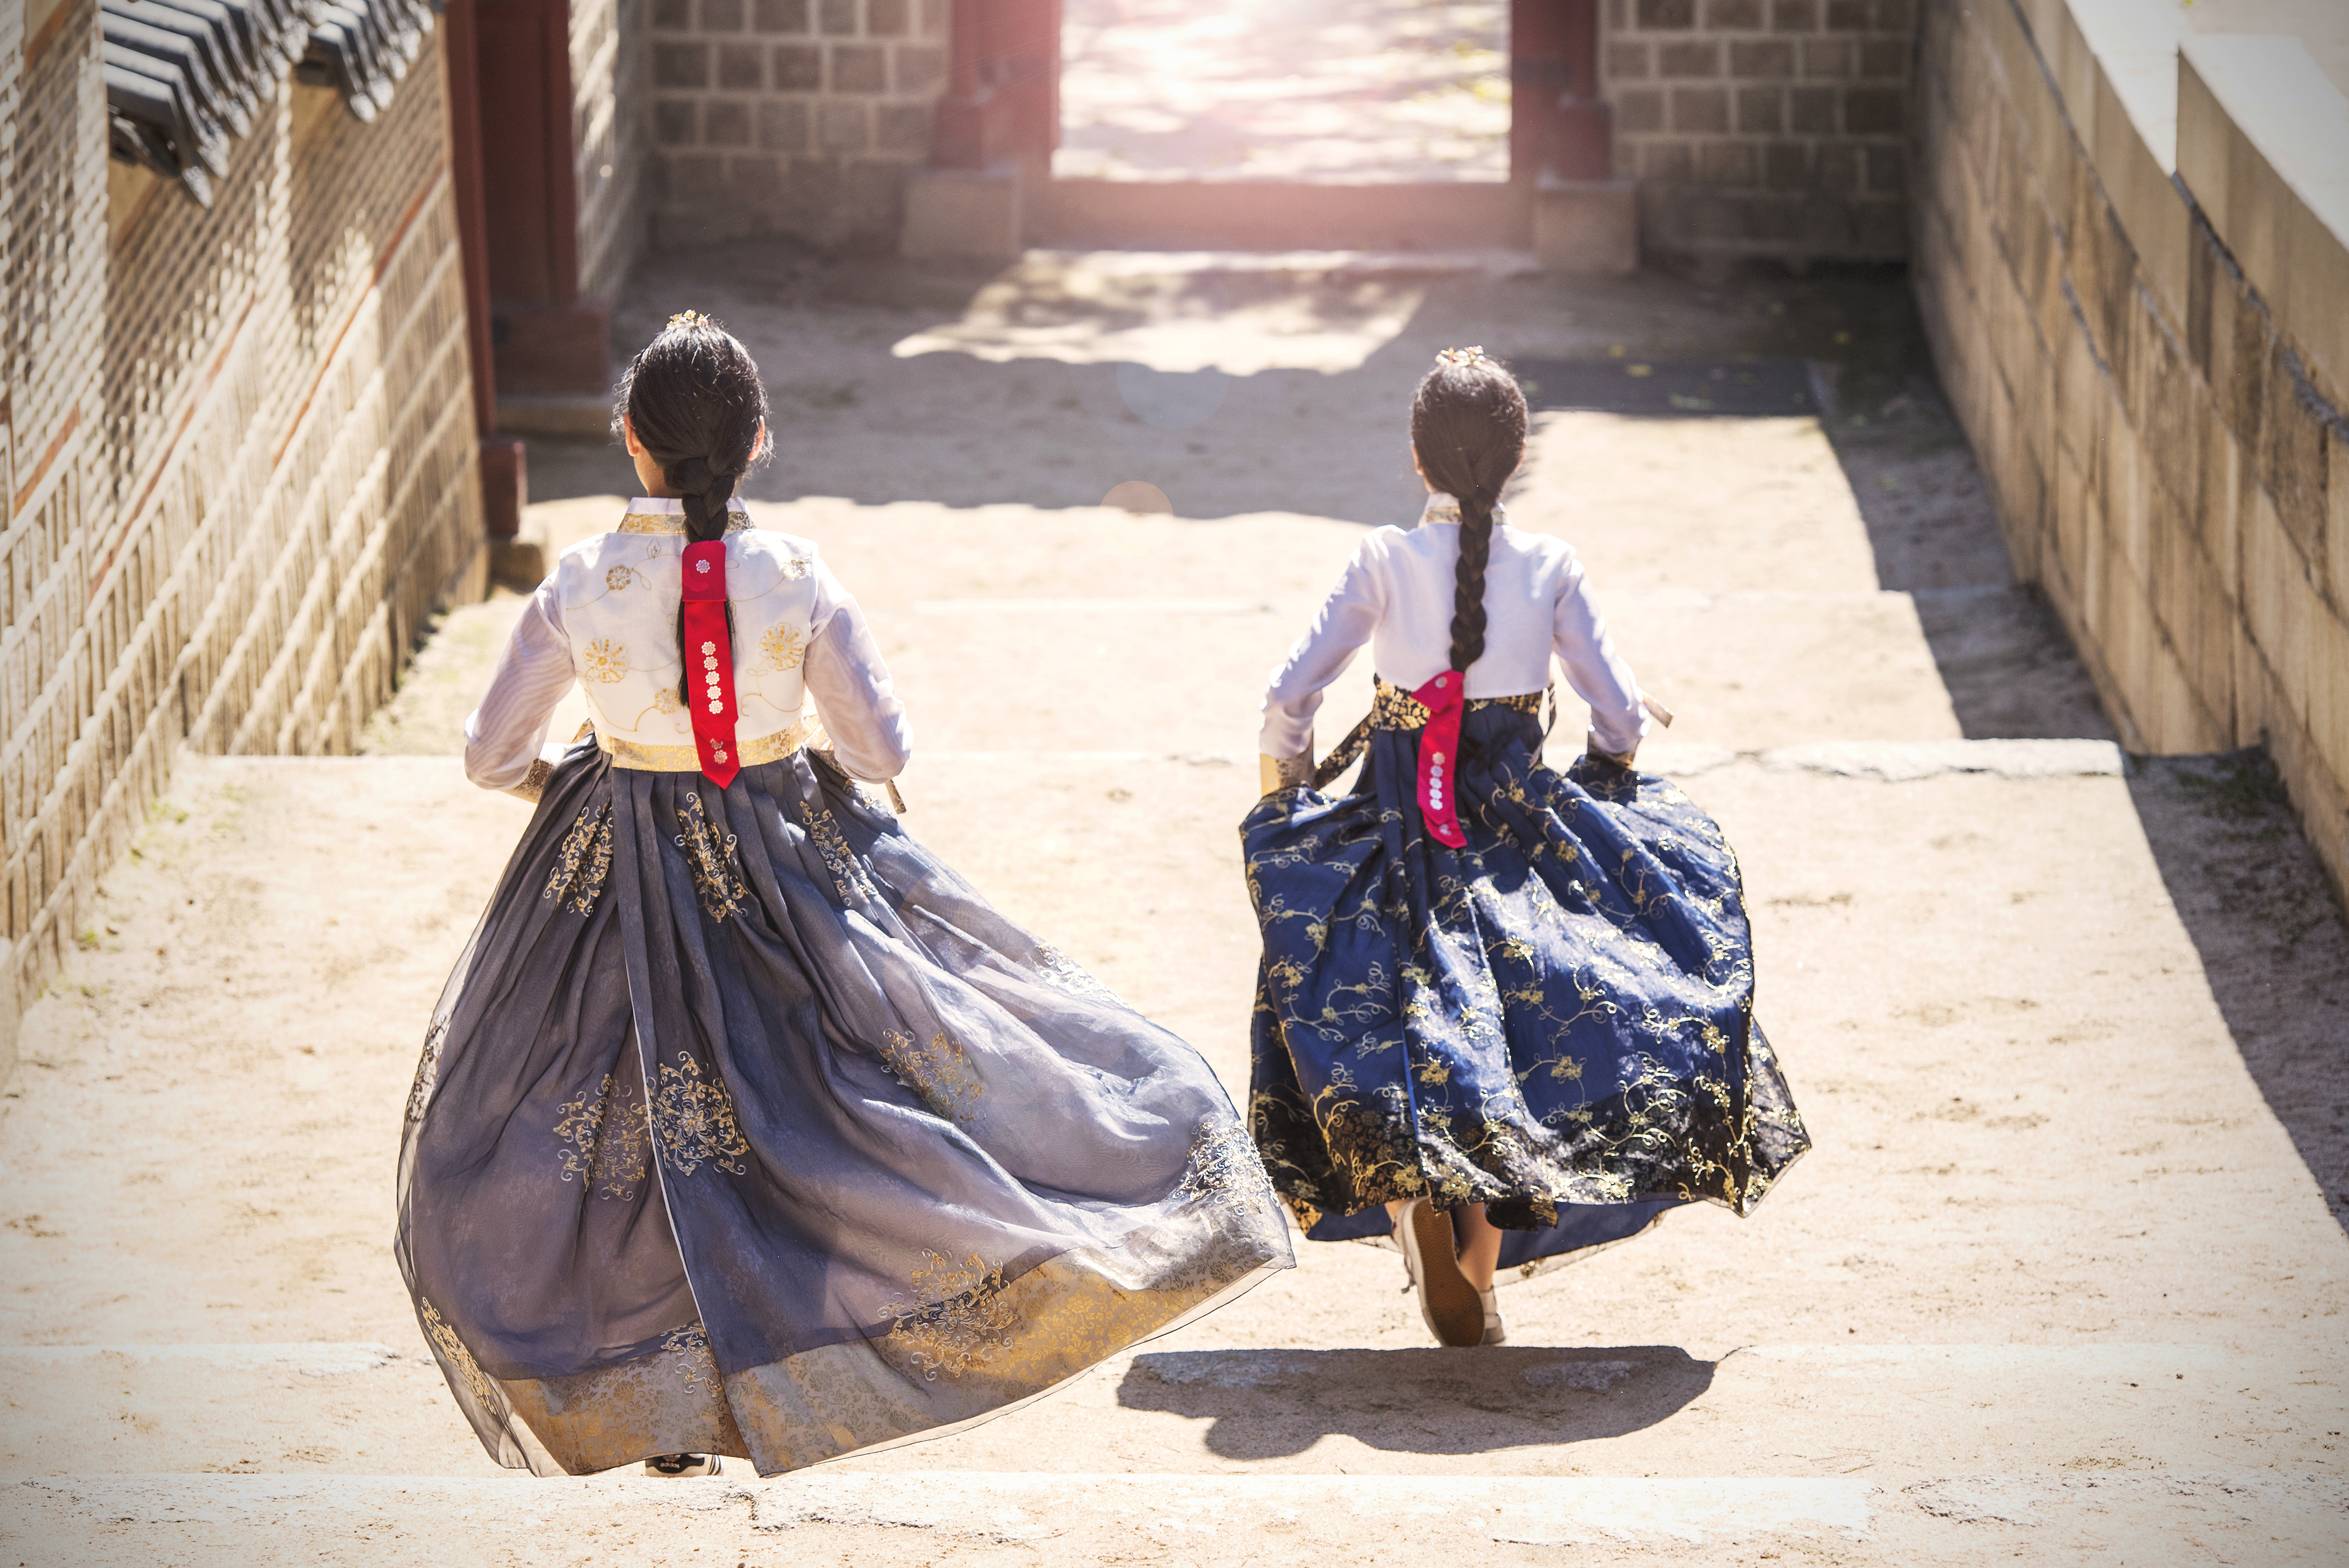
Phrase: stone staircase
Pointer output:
(2055, 1285)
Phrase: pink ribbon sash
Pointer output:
(1439, 755)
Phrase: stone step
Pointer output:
(1170, 214)
(2206, 1516)
(1815, 1410)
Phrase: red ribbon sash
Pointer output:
(710, 663)
(1439, 755)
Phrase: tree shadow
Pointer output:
(1269, 1404)
(2270, 936)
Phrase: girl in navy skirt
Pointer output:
(1504, 1013)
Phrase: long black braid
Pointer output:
(694, 399)
(1468, 428)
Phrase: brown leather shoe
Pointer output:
(1453, 1311)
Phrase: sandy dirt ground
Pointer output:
(2064, 1280)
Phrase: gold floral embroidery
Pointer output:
(839, 857)
(452, 1349)
(607, 661)
(782, 646)
(1396, 708)
(693, 1121)
(710, 855)
(958, 1320)
(581, 863)
(938, 1073)
(1223, 1167)
(428, 1070)
(619, 577)
(666, 701)
(690, 1345)
(610, 1151)
(797, 566)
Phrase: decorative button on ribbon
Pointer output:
(1438, 756)
(705, 633)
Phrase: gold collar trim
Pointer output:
(758, 748)
(737, 520)
(1443, 508)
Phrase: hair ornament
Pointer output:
(689, 320)
(1473, 354)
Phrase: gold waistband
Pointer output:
(685, 760)
(1397, 709)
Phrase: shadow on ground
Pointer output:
(1269, 1404)
(854, 420)
(2270, 936)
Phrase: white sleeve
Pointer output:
(870, 732)
(1596, 671)
(1348, 618)
(502, 736)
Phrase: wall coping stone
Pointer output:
(2263, 146)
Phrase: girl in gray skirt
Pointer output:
(745, 1125)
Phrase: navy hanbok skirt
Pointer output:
(745, 1125)
(1556, 1022)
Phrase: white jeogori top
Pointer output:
(1397, 595)
(607, 616)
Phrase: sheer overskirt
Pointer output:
(745, 1125)
(1556, 1021)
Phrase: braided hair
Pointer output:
(694, 399)
(1468, 431)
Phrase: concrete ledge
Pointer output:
(962, 212)
(1588, 226)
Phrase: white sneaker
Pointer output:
(1447, 1301)
(1495, 1331)
(677, 1466)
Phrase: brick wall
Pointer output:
(1763, 128)
(798, 117)
(256, 460)
(2168, 447)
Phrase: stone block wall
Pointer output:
(1763, 128)
(250, 451)
(798, 117)
(2163, 436)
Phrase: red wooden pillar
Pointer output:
(548, 341)
(1558, 124)
(1003, 85)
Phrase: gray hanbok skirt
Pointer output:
(745, 1125)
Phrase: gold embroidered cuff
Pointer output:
(533, 783)
(685, 760)
(1285, 772)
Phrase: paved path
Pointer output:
(1323, 91)
(2057, 1282)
